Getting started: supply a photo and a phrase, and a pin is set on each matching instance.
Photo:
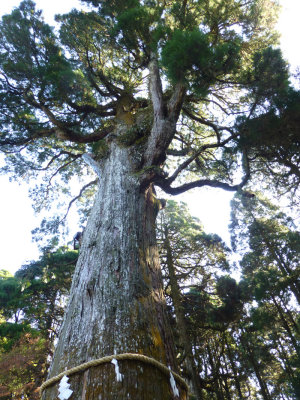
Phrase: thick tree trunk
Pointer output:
(116, 301)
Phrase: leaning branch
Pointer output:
(110, 87)
(77, 197)
(65, 165)
(165, 185)
(62, 129)
(102, 111)
(55, 157)
(64, 132)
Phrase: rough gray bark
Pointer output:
(116, 301)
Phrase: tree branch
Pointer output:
(165, 185)
(64, 132)
(61, 168)
(164, 116)
(203, 121)
(77, 197)
(63, 152)
(26, 140)
(155, 88)
(178, 153)
(88, 158)
(175, 103)
(103, 111)
(185, 164)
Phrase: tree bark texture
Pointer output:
(116, 301)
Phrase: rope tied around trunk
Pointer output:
(125, 356)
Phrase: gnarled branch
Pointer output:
(165, 185)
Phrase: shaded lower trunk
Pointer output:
(116, 301)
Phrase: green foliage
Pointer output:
(270, 74)
(131, 33)
(10, 297)
(188, 56)
(230, 293)
(34, 294)
(270, 267)
(46, 282)
(191, 246)
(272, 140)
(30, 56)
(22, 369)
(10, 333)
(271, 263)
(60, 94)
(113, 7)
(35, 297)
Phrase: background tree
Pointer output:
(27, 342)
(271, 239)
(189, 258)
(22, 369)
(269, 242)
(234, 340)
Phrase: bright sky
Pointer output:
(211, 206)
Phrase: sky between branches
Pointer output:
(211, 206)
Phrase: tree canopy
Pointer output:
(212, 69)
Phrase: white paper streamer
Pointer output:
(173, 385)
(64, 391)
(117, 370)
